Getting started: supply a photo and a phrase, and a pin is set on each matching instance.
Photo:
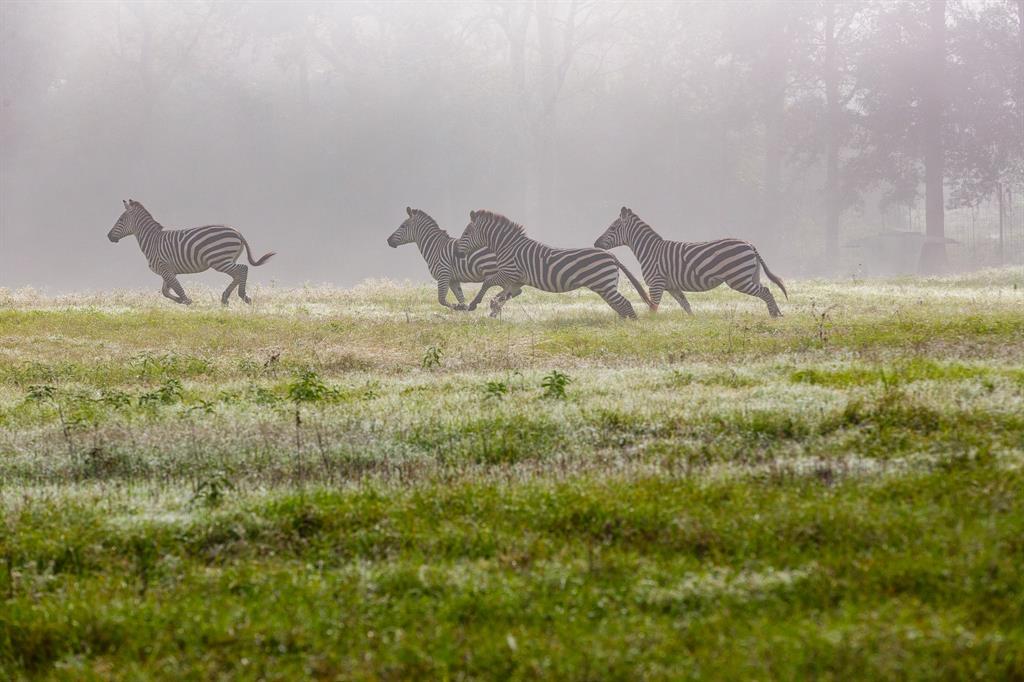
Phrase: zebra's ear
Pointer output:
(624, 212)
(408, 210)
(472, 215)
(125, 202)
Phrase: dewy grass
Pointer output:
(290, 490)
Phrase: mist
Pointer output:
(811, 129)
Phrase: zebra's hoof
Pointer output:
(471, 307)
(459, 307)
(247, 300)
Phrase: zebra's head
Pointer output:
(615, 235)
(472, 237)
(125, 225)
(406, 232)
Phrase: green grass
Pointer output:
(356, 484)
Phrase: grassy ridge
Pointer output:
(353, 484)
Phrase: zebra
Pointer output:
(690, 266)
(175, 252)
(524, 261)
(448, 268)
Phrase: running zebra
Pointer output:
(523, 261)
(449, 269)
(690, 266)
(176, 252)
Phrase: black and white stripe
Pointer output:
(523, 261)
(676, 267)
(448, 268)
(176, 252)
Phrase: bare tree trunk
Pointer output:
(832, 123)
(774, 110)
(1020, 69)
(933, 254)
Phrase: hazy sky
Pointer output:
(310, 126)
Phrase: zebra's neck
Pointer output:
(430, 237)
(507, 244)
(147, 232)
(644, 241)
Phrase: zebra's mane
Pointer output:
(640, 222)
(501, 222)
(431, 224)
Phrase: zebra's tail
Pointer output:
(636, 284)
(248, 254)
(778, 282)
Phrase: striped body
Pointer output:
(176, 252)
(690, 266)
(449, 268)
(525, 262)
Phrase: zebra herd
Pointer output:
(493, 251)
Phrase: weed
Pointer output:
(212, 490)
(432, 358)
(495, 389)
(554, 384)
(308, 387)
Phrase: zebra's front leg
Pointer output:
(442, 292)
(506, 294)
(166, 291)
(456, 288)
(681, 299)
(487, 284)
(655, 290)
(172, 283)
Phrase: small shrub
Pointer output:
(432, 358)
(495, 390)
(168, 394)
(211, 491)
(307, 387)
(554, 384)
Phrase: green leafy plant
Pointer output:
(169, 393)
(432, 358)
(554, 384)
(212, 490)
(308, 387)
(496, 390)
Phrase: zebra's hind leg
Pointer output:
(239, 273)
(762, 292)
(227, 292)
(681, 299)
(618, 302)
(242, 277)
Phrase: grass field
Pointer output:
(358, 484)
